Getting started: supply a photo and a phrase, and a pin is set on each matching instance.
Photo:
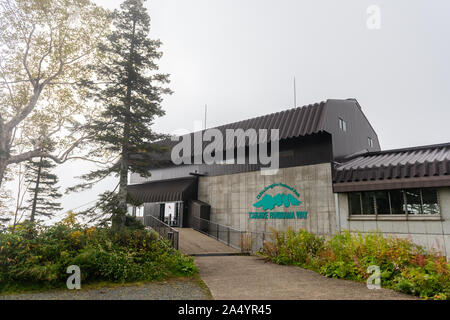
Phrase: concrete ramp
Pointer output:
(195, 243)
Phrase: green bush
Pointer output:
(404, 266)
(36, 256)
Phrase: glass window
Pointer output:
(397, 202)
(370, 142)
(342, 124)
(430, 201)
(413, 202)
(367, 202)
(382, 200)
(354, 203)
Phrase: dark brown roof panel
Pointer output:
(296, 122)
(181, 189)
(384, 168)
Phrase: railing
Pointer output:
(242, 240)
(163, 229)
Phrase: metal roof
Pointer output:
(295, 122)
(426, 166)
(165, 190)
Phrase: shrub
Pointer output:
(37, 256)
(404, 266)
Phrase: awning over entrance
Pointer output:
(180, 189)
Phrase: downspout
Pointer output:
(338, 214)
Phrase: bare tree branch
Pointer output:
(25, 56)
(50, 47)
(41, 153)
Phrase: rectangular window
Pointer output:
(413, 201)
(342, 125)
(370, 142)
(382, 201)
(430, 201)
(354, 203)
(368, 204)
(397, 202)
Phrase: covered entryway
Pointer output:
(196, 243)
(166, 200)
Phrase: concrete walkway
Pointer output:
(196, 243)
(250, 277)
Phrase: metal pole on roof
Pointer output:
(295, 94)
(206, 108)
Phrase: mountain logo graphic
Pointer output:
(281, 199)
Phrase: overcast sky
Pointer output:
(240, 56)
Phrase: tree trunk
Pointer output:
(36, 191)
(118, 220)
(4, 152)
(3, 165)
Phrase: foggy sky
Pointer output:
(240, 57)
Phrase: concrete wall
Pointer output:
(432, 234)
(231, 198)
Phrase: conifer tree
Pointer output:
(130, 88)
(44, 194)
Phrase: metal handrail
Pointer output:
(225, 234)
(163, 229)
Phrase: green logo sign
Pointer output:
(281, 199)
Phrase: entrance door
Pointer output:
(161, 211)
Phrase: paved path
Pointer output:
(250, 277)
(194, 243)
(176, 289)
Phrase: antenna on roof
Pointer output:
(295, 95)
(206, 108)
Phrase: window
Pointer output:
(354, 203)
(397, 202)
(368, 203)
(370, 142)
(411, 201)
(342, 125)
(140, 211)
(429, 201)
(382, 202)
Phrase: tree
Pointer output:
(43, 193)
(5, 214)
(45, 47)
(131, 92)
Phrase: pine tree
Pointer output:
(130, 89)
(44, 195)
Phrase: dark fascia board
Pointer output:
(390, 184)
(164, 180)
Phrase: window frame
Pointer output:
(391, 216)
(370, 142)
(342, 124)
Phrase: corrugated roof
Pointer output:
(296, 122)
(165, 190)
(386, 168)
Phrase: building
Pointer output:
(332, 176)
